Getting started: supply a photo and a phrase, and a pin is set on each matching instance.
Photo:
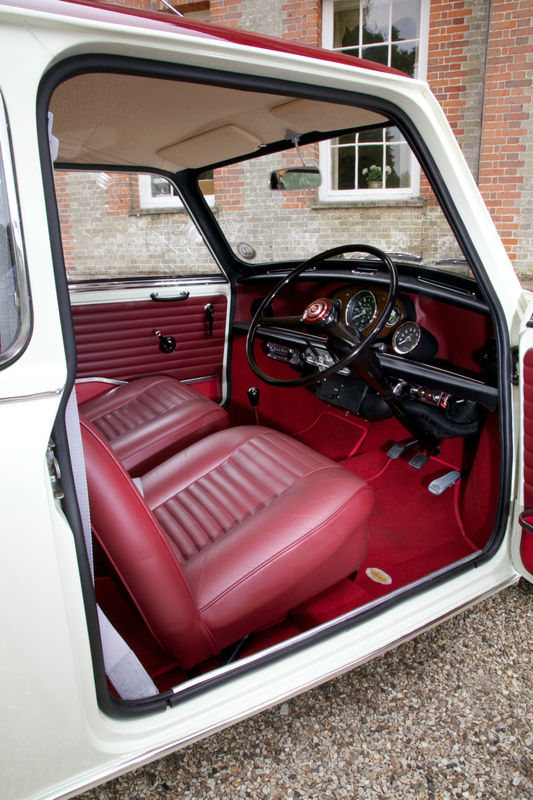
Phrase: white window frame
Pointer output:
(163, 202)
(326, 191)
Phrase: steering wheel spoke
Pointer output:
(280, 322)
(338, 333)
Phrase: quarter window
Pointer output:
(14, 296)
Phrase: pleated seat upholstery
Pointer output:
(151, 418)
(230, 534)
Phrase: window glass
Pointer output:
(266, 226)
(109, 230)
(14, 297)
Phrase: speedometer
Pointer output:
(362, 310)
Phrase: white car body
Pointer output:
(56, 738)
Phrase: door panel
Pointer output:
(115, 332)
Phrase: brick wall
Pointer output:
(456, 67)
(506, 169)
(302, 20)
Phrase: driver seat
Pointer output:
(228, 535)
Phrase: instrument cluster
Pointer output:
(361, 307)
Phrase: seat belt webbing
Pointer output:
(123, 668)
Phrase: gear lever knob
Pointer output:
(253, 396)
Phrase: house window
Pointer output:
(156, 192)
(378, 163)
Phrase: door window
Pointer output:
(14, 297)
(110, 231)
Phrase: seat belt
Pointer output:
(123, 668)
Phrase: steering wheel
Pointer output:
(322, 315)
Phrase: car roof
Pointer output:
(167, 21)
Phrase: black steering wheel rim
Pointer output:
(342, 332)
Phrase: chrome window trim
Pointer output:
(23, 301)
(81, 287)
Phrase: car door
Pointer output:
(522, 538)
(146, 295)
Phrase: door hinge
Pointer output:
(54, 471)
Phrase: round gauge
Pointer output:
(406, 338)
(362, 310)
(394, 317)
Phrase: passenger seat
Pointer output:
(149, 419)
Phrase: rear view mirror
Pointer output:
(292, 178)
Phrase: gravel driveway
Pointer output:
(447, 715)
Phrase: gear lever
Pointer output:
(253, 398)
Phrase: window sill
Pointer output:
(414, 202)
(140, 212)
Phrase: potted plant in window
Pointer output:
(374, 176)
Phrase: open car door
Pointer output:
(522, 539)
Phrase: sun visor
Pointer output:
(228, 141)
(309, 115)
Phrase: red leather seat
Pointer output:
(151, 418)
(230, 535)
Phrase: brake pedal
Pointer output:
(439, 485)
(419, 460)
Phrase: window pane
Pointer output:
(107, 234)
(161, 187)
(370, 167)
(405, 58)
(379, 53)
(397, 170)
(393, 135)
(346, 25)
(343, 168)
(405, 19)
(376, 21)
(348, 139)
(14, 296)
(9, 320)
(375, 135)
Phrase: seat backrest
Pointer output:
(141, 555)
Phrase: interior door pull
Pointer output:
(164, 299)
(210, 313)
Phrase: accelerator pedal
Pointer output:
(439, 485)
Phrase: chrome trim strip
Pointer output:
(82, 287)
(352, 615)
(198, 380)
(35, 396)
(98, 379)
